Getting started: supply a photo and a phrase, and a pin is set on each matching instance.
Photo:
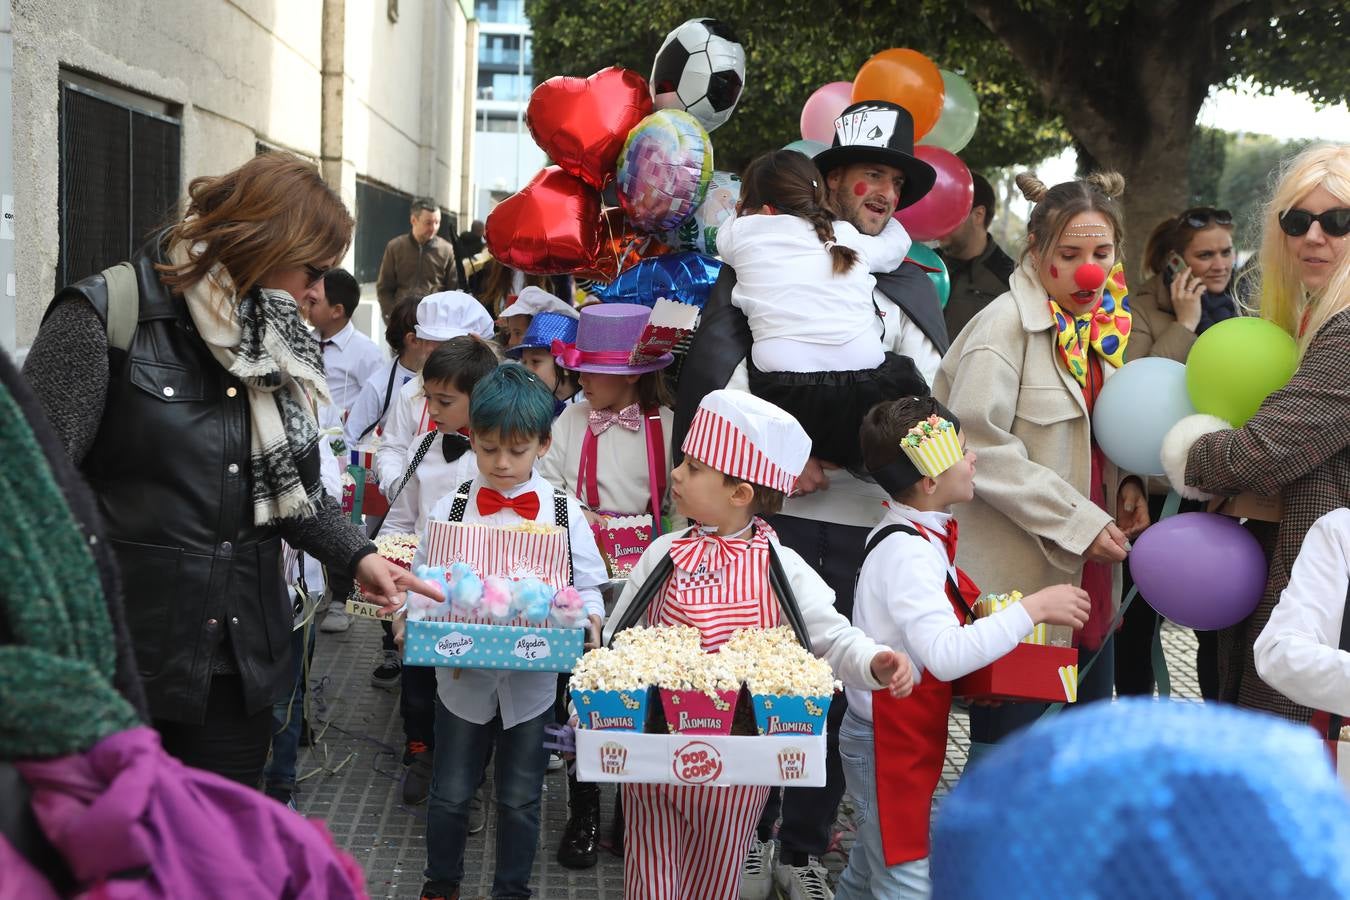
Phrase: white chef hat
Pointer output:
(452, 314)
(748, 438)
(533, 300)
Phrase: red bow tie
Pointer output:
(490, 501)
(630, 417)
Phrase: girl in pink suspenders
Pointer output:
(612, 452)
(742, 456)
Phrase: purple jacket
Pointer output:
(126, 806)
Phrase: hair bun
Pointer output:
(1112, 184)
(1032, 188)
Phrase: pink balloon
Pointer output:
(822, 108)
(945, 207)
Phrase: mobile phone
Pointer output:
(1175, 264)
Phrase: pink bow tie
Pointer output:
(630, 417)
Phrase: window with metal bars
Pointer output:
(118, 175)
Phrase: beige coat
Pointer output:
(1025, 418)
(1156, 331)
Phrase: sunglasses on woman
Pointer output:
(1296, 222)
(315, 273)
(1200, 217)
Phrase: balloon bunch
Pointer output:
(500, 599)
(647, 141)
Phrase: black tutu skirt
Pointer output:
(831, 405)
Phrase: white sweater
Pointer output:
(901, 601)
(1298, 651)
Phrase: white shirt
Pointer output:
(912, 613)
(407, 412)
(366, 409)
(349, 358)
(1298, 652)
(432, 481)
(791, 296)
(477, 694)
(848, 651)
(621, 474)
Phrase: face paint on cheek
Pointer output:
(859, 189)
(1054, 272)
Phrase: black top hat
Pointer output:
(881, 132)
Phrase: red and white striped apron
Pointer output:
(688, 842)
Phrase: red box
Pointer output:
(1029, 672)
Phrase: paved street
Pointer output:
(351, 779)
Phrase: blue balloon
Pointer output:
(935, 268)
(1138, 405)
(683, 277)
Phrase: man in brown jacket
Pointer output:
(418, 263)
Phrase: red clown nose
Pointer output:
(1089, 277)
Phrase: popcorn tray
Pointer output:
(1030, 672)
(711, 760)
(472, 645)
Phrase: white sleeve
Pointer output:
(728, 238)
(330, 470)
(402, 517)
(588, 567)
(392, 454)
(912, 342)
(646, 564)
(365, 411)
(553, 466)
(1297, 652)
(920, 615)
(833, 638)
(883, 252)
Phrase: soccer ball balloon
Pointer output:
(700, 69)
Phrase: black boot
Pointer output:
(578, 845)
(616, 827)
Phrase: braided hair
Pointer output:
(789, 182)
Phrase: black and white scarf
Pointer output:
(260, 339)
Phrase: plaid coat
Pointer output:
(1297, 446)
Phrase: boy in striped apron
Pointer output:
(741, 457)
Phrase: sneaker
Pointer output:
(757, 871)
(477, 814)
(806, 882)
(555, 762)
(388, 673)
(439, 890)
(417, 777)
(337, 619)
(282, 795)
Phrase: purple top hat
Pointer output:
(606, 336)
(545, 328)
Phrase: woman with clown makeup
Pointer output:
(1023, 376)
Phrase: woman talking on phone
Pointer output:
(1189, 263)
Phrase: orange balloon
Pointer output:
(906, 78)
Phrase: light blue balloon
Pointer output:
(1138, 405)
(809, 148)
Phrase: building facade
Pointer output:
(118, 104)
(505, 156)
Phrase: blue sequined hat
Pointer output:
(1142, 798)
(545, 328)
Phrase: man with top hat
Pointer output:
(870, 171)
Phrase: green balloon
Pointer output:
(808, 148)
(960, 114)
(1236, 364)
(926, 256)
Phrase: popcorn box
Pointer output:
(611, 710)
(711, 760)
(790, 715)
(694, 712)
(536, 551)
(622, 540)
(358, 605)
(669, 323)
(1340, 761)
(472, 645)
(1029, 672)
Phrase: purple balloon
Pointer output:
(1200, 570)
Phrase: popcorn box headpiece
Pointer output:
(933, 446)
(748, 438)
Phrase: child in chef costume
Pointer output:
(742, 455)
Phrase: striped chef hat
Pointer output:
(748, 438)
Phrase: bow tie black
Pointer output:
(454, 446)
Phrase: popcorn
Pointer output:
(932, 446)
(772, 661)
(604, 669)
(1345, 732)
(397, 548)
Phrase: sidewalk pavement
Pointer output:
(351, 780)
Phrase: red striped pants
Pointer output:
(686, 842)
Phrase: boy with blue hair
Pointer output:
(510, 420)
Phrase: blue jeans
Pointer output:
(459, 760)
(867, 876)
(288, 717)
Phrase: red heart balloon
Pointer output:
(581, 123)
(550, 227)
